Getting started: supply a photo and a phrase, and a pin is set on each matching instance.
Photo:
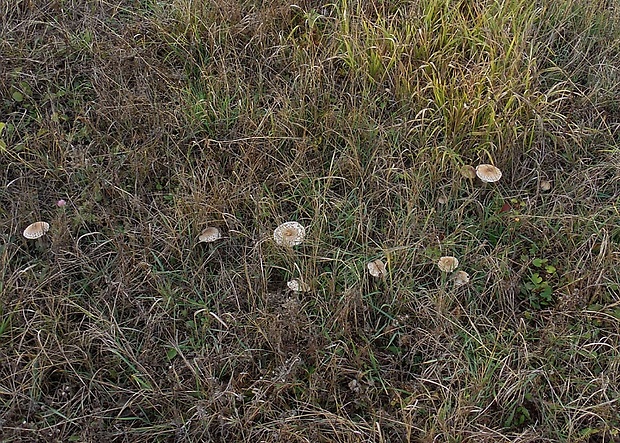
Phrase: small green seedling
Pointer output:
(538, 288)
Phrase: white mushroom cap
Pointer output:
(448, 263)
(488, 173)
(377, 269)
(460, 278)
(36, 230)
(468, 171)
(289, 234)
(297, 285)
(545, 185)
(209, 235)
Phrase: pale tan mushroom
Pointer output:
(468, 171)
(36, 230)
(297, 285)
(488, 173)
(377, 269)
(545, 185)
(209, 235)
(289, 234)
(448, 263)
(460, 278)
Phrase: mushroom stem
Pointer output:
(42, 243)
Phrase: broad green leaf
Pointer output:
(536, 278)
(172, 352)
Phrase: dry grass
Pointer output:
(154, 120)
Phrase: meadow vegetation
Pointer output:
(155, 119)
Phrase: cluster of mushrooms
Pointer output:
(291, 233)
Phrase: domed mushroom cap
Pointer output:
(36, 230)
(460, 278)
(289, 234)
(297, 285)
(488, 173)
(468, 171)
(377, 269)
(209, 235)
(448, 263)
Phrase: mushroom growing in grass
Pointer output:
(289, 234)
(377, 269)
(210, 234)
(297, 285)
(460, 278)
(448, 263)
(488, 173)
(36, 230)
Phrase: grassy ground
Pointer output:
(156, 119)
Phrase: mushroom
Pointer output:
(289, 234)
(297, 285)
(460, 278)
(377, 269)
(488, 173)
(448, 263)
(468, 171)
(545, 185)
(210, 234)
(36, 230)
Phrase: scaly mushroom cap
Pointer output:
(289, 234)
(488, 173)
(297, 285)
(36, 230)
(377, 269)
(209, 235)
(460, 278)
(448, 263)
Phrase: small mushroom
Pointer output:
(377, 269)
(468, 171)
(545, 185)
(460, 278)
(209, 235)
(448, 263)
(297, 285)
(36, 230)
(488, 173)
(289, 234)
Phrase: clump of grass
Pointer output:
(354, 119)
